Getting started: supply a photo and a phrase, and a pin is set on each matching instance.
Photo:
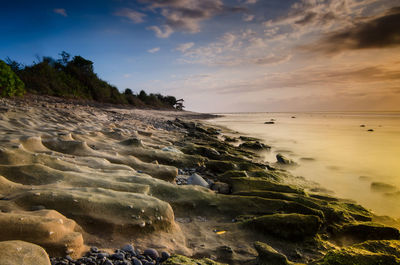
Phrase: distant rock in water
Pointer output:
(294, 117)
(281, 159)
(370, 130)
(269, 122)
(364, 178)
(307, 159)
(255, 145)
(383, 187)
(362, 125)
(196, 179)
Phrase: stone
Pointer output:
(129, 249)
(269, 256)
(382, 187)
(281, 159)
(286, 226)
(221, 187)
(359, 232)
(179, 260)
(136, 261)
(269, 122)
(164, 256)
(117, 256)
(152, 253)
(172, 150)
(369, 253)
(255, 145)
(22, 253)
(196, 179)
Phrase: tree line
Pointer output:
(71, 77)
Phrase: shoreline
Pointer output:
(124, 164)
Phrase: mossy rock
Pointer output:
(228, 175)
(221, 166)
(182, 260)
(22, 253)
(269, 256)
(384, 252)
(247, 184)
(286, 226)
(358, 232)
(205, 151)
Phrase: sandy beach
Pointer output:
(79, 175)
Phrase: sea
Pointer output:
(354, 155)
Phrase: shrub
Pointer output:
(10, 84)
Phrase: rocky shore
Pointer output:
(78, 181)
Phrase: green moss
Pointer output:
(182, 260)
(353, 256)
(359, 232)
(248, 184)
(286, 226)
(221, 166)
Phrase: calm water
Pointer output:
(342, 151)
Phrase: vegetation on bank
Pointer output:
(10, 84)
(71, 77)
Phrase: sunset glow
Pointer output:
(225, 56)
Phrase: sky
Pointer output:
(224, 55)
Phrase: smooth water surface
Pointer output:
(335, 151)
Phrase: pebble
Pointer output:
(127, 255)
(152, 253)
(129, 248)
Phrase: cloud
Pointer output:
(248, 17)
(162, 33)
(131, 14)
(184, 47)
(250, 2)
(60, 11)
(377, 32)
(273, 59)
(154, 50)
(186, 15)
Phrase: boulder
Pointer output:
(359, 232)
(221, 187)
(47, 228)
(196, 179)
(281, 159)
(22, 253)
(255, 145)
(269, 256)
(369, 253)
(101, 209)
(286, 226)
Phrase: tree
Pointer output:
(128, 92)
(10, 84)
(64, 58)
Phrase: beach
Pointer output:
(78, 175)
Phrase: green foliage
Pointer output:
(10, 84)
(74, 77)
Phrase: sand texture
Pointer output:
(76, 175)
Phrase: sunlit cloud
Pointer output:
(186, 15)
(133, 15)
(60, 11)
(184, 47)
(377, 32)
(248, 17)
(164, 32)
(154, 50)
